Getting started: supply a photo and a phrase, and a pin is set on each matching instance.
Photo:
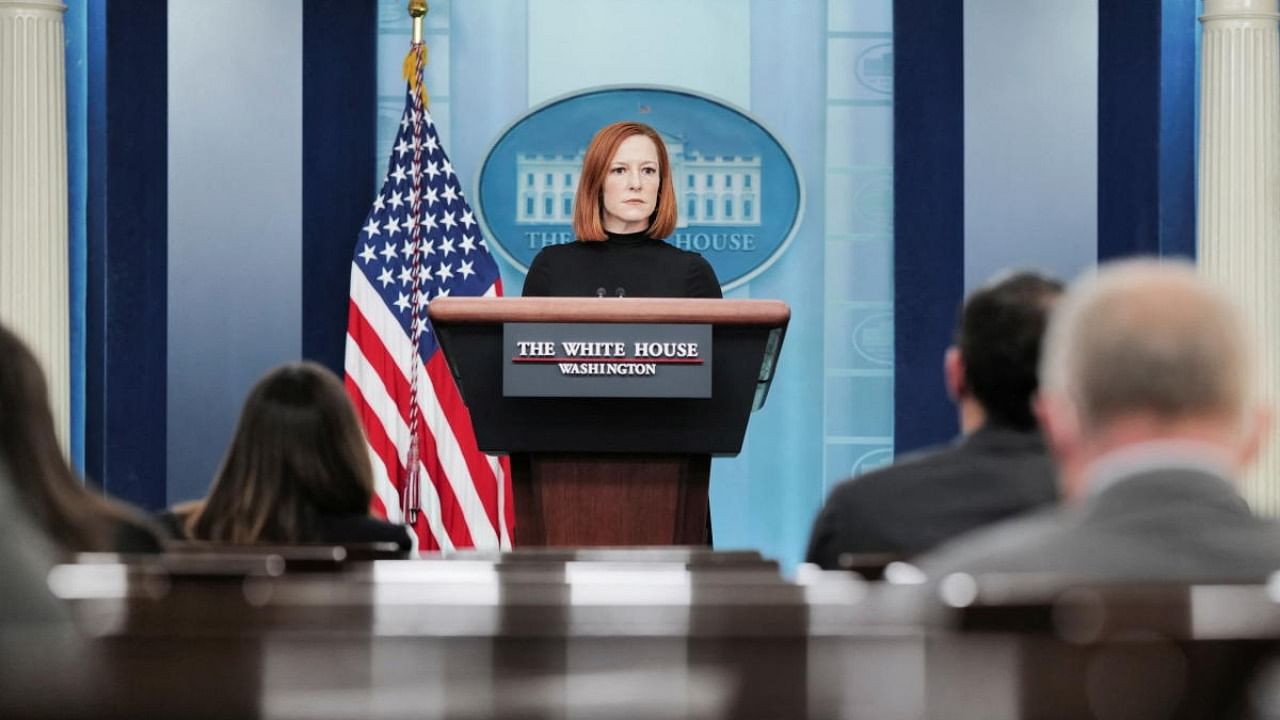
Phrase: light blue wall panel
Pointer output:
(235, 194)
(1031, 141)
(703, 46)
(766, 498)
(488, 65)
(858, 351)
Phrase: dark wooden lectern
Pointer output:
(595, 471)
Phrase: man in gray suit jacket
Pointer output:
(996, 469)
(1147, 402)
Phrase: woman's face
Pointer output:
(631, 186)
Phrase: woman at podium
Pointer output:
(624, 209)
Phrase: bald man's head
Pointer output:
(1150, 339)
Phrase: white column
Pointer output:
(33, 189)
(1239, 211)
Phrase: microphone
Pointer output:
(600, 292)
(622, 292)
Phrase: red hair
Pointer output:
(588, 223)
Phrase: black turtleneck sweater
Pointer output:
(633, 265)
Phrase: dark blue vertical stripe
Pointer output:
(928, 211)
(76, 23)
(1146, 128)
(126, 318)
(1128, 128)
(339, 101)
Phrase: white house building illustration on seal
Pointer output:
(718, 190)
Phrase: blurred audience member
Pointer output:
(1147, 401)
(997, 468)
(26, 557)
(42, 655)
(297, 470)
(75, 517)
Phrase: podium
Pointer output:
(614, 459)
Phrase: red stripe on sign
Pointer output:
(615, 361)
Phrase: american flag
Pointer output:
(420, 242)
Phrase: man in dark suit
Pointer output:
(996, 468)
(1147, 403)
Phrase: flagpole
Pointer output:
(417, 10)
(412, 498)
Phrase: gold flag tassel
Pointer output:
(411, 75)
(411, 72)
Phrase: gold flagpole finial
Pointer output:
(417, 10)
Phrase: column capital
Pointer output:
(36, 5)
(1240, 10)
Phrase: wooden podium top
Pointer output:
(466, 310)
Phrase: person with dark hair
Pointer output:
(997, 468)
(624, 208)
(75, 517)
(297, 470)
